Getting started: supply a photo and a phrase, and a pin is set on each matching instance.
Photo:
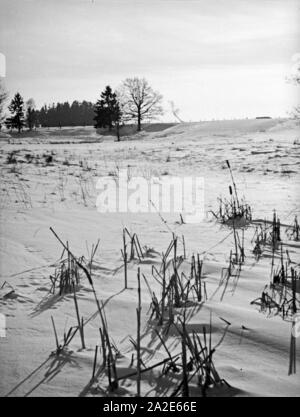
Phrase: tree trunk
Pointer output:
(139, 120)
(118, 131)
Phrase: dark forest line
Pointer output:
(66, 114)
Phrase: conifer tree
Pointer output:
(108, 111)
(16, 108)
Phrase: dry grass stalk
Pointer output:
(138, 343)
(292, 362)
(95, 363)
(80, 321)
(125, 258)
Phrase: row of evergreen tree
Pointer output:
(64, 114)
(56, 115)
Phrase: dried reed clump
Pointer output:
(293, 232)
(267, 234)
(233, 210)
(197, 361)
(280, 297)
(69, 272)
(177, 289)
(66, 275)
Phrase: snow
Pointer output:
(254, 355)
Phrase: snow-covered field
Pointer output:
(50, 182)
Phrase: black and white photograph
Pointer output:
(149, 201)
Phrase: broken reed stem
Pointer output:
(55, 334)
(148, 369)
(292, 364)
(198, 275)
(163, 292)
(124, 253)
(138, 247)
(235, 241)
(175, 249)
(93, 253)
(95, 362)
(69, 263)
(131, 248)
(80, 322)
(272, 265)
(102, 337)
(242, 248)
(138, 343)
(294, 308)
(234, 185)
(185, 390)
(109, 372)
(110, 356)
(183, 244)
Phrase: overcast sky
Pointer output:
(213, 58)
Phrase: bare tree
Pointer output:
(139, 101)
(3, 98)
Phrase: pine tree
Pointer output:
(16, 108)
(108, 112)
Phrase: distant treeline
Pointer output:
(135, 101)
(64, 114)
